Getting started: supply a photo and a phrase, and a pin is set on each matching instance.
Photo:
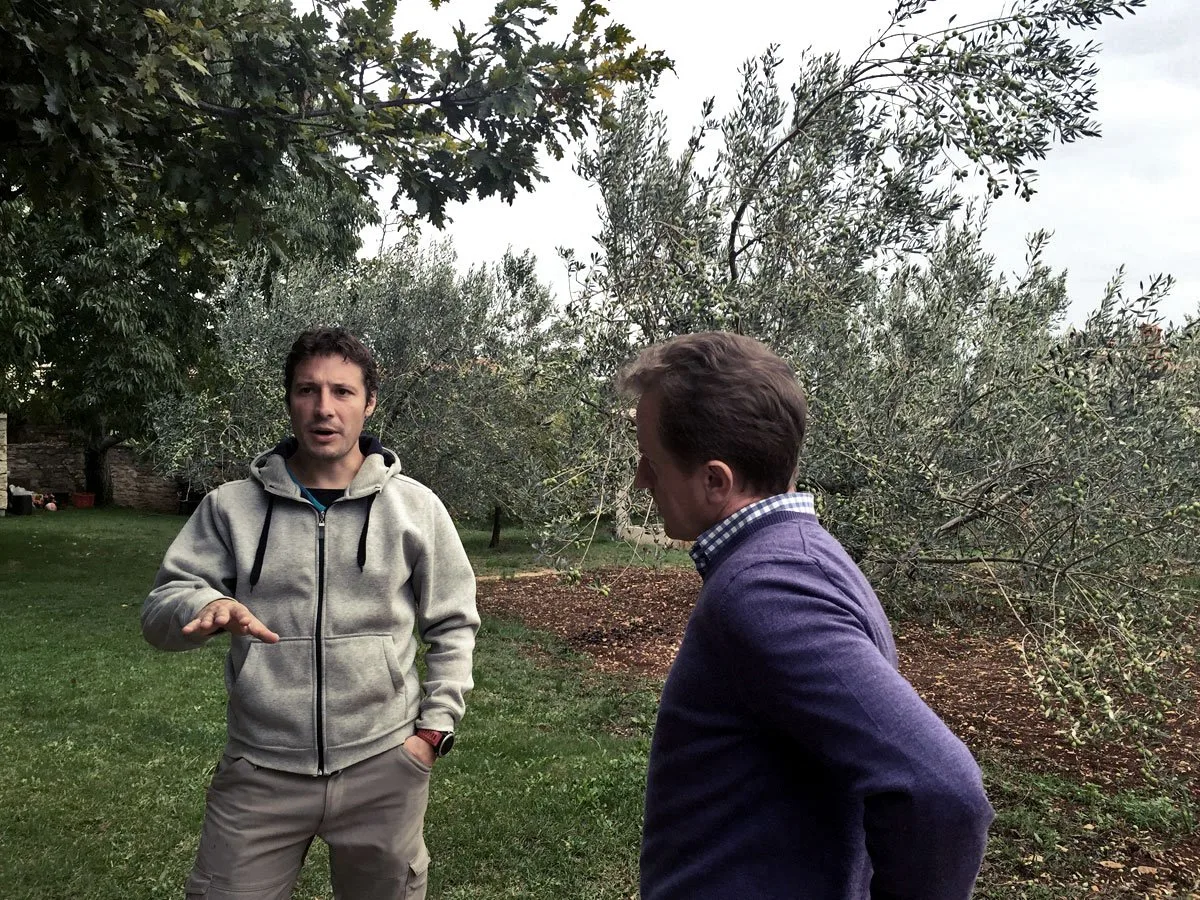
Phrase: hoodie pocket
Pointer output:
(271, 696)
(365, 696)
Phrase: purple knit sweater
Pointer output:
(790, 759)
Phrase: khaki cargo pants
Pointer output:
(259, 823)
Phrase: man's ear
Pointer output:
(719, 481)
(370, 406)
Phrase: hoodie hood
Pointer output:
(379, 464)
(270, 470)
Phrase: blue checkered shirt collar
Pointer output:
(711, 541)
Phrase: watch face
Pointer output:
(446, 743)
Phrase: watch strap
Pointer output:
(440, 741)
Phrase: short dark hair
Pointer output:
(727, 397)
(331, 342)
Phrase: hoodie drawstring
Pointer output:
(262, 543)
(261, 552)
(362, 538)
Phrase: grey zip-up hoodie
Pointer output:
(343, 591)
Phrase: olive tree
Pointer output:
(469, 365)
(971, 452)
(978, 457)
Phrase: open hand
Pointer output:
(231, 616)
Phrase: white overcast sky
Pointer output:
(1126, 197)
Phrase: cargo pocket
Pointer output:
(196, 887)
(364, 689)
(271, 696)
(418, 876)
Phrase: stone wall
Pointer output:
(138, 486)
(48, 461)
(3, 463)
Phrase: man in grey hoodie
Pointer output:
(320, 565)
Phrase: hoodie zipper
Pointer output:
(318, 642)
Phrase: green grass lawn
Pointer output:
(108, 746)
(592, 549)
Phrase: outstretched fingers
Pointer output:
(253, 627)
(232, 616)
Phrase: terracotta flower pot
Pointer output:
(82, 500)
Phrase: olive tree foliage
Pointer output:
(976, 457)
(852, 165)
(468, 366)
(990, 96)
(970, 453)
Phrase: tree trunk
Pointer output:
(495, 541)
(97, 476)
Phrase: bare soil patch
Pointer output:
(630, 621)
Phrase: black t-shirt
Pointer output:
(325, 496)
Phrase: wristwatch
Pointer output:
(442, 742)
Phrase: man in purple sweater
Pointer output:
(790, 759)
